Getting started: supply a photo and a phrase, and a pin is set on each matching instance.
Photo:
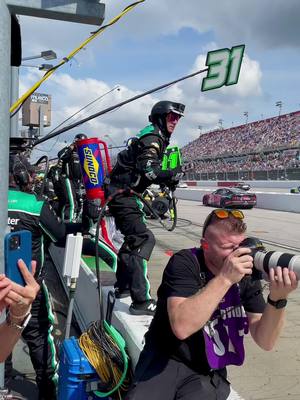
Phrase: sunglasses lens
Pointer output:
(237, 214)
(221, 213)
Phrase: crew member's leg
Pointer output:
(38, 336)
(135, 251)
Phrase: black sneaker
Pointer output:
(121, 294)
(146, 308)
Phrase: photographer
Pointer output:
(18, 299)
(207, 301)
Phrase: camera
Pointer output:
(263, 260)
(14, 242)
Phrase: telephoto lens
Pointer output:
(264, 260)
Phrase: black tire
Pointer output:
(173, 213)
(204, 200)
(222, 203)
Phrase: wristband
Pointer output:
(18, 327)
(21, 317)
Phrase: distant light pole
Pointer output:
(279, 105)
(220, 123)
(200, 130)
(111, 139)
(246, 114)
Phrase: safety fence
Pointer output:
(276, 174)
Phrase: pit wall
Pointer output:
(268, 200)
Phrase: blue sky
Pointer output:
(160, 41)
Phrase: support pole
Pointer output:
(14, 95)
(5, 27)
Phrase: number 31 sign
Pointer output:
(223, 67)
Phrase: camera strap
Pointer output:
(202, 274)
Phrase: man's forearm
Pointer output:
(191, 314)
(267, 330)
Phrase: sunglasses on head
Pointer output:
(221, 213)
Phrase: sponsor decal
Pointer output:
(91, 165)
(13, 221)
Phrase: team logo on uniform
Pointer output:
(90, 165)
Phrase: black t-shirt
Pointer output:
(183, 278)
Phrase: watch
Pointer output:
(18, 327)
(281, 303)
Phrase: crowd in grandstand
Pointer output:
(254, 162)
(211, 150)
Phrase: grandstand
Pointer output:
(265, 149)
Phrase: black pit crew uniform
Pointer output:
(67, 183)
(25, 211)
(137, 167)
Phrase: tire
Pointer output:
(173, 214)
(222, 203)
(204, 200)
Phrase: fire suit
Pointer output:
(26, 212)
(137, 167)
(67, 184)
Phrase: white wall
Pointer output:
(271, 201)
(254, 184)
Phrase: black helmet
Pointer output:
(80, 136)
(161, 109)
(20, 168)
(164, 107)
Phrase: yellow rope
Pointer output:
(66, 59)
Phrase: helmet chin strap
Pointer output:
(162, 124)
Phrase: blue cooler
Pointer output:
(77, 377)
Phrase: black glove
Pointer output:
(92, 208)
(173, 182)
(177, 176)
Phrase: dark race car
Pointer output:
(230, 197)
(242, 185)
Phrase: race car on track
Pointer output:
(295, 190)
(242, 185)
(229, 197)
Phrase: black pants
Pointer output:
(160, 378)
(136, 250)
(41, 346)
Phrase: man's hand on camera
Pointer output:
(282, 283)
(238, 264)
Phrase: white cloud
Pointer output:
(70, 95)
